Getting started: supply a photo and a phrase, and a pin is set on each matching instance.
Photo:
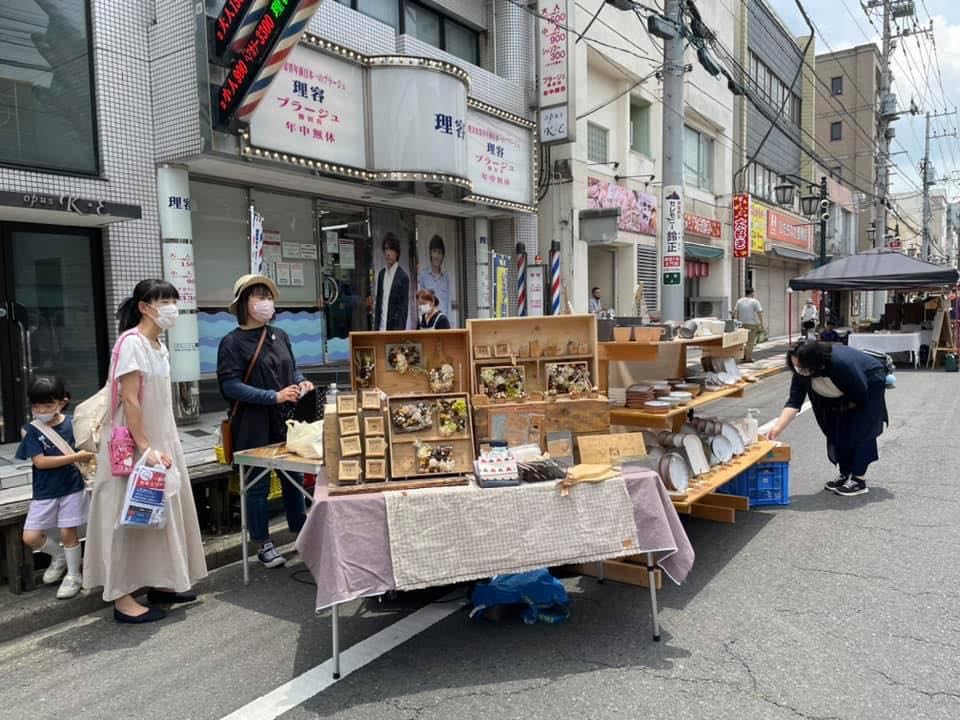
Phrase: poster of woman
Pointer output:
(437, 260)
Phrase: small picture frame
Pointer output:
(350, 446)
(374, 425)
(376, 447)
(347, 404)
(349, 425)
(482, 352)
(349, 471)
(502, 350)
(370, 400)
(376, 469)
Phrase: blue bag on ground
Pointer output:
(544, 596)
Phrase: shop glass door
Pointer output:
(52, 312)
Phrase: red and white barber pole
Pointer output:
(521, 280)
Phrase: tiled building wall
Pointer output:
(125, 127)
(173, 57)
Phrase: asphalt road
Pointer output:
(829, 608)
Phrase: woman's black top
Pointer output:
(438, 322)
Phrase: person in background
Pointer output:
(431, 317)
(808, 318)
(169, 560)
(830, 334)
(750, 314)
(393, 289)
(434, 278)
(595, 306)
(59, 496)
(265, 401)
(847, 390)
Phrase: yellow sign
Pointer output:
(500, 306)
(758, 227)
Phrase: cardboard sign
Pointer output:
(610, 449)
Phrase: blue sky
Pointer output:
(842, 23)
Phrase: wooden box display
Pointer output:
(533, 343)
(584, 416)
(430, 436)
(414, 353)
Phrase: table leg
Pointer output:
(600, 577)
(335, 623)
(652, 580)
(243, 524)
(297, 485)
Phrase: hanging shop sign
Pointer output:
(699, 225)
(638, 210)
(499, 158)
(500, 302)
(314, 109)
(428, 109)
(536, 289)
(227, 23)
(741, 225)
(758, 227)
(672, 249)
(66, 203)
(555, 55)
(790, 230)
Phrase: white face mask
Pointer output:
(424, 309)
(45, 418)
(262, 310)
(166, 316)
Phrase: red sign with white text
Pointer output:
(699, 225)
(789, 229)
(741, 225)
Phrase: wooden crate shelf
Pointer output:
(453, 344)
(676, 417)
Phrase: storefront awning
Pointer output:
(791, 254)
(703, 252)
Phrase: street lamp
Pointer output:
(784, 194)
(809, 203)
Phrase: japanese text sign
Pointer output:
(555, 52)
(498, 155)
(741, 225)
(228, 21)
(758, 227)
(672, 247)
(699, 225)
(790, 230)
(419, 121)
(314, 109)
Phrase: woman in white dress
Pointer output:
(168, 561)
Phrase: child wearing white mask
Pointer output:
(431, 318)
(258, 376)
(59, 496)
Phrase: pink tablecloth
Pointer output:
(346, 542)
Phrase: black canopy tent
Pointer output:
(879, 269)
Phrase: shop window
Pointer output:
(697, 159)
(221, 251)
(640, 126)
(423, 24)
(836, 131)
(462, 42)
(46, 90)
(597, 143)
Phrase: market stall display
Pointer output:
(430, 436)
(405, 363)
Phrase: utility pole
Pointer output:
(672, 273)
(883, 121)
(929, 182)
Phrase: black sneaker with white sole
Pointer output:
(853, 486)
(832, 485)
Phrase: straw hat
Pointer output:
(247, 281)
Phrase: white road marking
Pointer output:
(316, 680)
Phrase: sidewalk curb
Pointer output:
(37, 610)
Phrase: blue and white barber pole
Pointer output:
(555, 278)
(521, 280)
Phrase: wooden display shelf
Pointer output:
(587, 357)
(395, 485)
(675, 418)
(453, 347)
(400, 438)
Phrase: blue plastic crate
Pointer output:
(763, 484)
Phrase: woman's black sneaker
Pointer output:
(151, 615)
(853, 486)
(832, 485)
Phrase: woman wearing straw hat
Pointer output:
(264, 401)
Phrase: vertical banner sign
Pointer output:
(555, 277)
(482, 233)
(245, 30)
(555, 56)
(501, 308)
(176, 231)
(758, 228)
(521, 280)
(229, 19)
(536, 284)
(256, 242)
(672, 263)
(741, 225)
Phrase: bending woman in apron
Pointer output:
(847, 389)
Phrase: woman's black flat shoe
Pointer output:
(165, 597)
(151, 615)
